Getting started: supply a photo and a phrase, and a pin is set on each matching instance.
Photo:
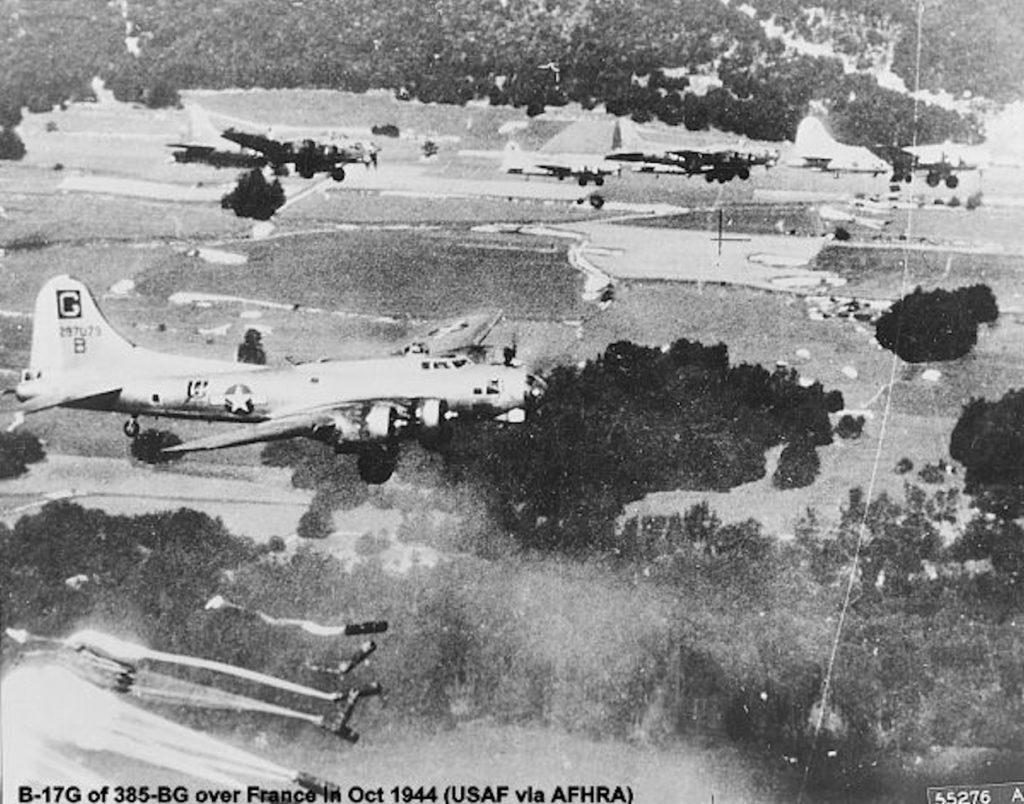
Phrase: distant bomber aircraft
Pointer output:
(307, 156)
(939, 163)
(584, 168)
(717, 163)
(816, 149)
(357, 406)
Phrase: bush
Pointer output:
(11, 146)
(148, 446)
(936, 325)
(798, 465)
(973, 200)
(904, 465)
(17, 450)
(254, 198)
(385, 130)
(932, 473)
(850, 426)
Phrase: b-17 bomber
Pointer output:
(365, 407)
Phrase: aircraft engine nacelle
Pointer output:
(432, 426)
(376, 422)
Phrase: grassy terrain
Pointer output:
(398, 273)
(741, 219)
(878, 272)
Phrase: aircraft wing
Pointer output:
(272, 149)
(305, 421)
(301, 423)
(457, 335)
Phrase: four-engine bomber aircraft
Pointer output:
(584, 168)
(717, 163)
(357, 406)
(939, 163)
(308, 156)
(816, 149)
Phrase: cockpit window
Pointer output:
(425, 364)
(441, 364)
(460, 362)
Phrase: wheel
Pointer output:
(338, 174)
(952, 182)
(744, 174)
(306, 173)
(596, 201)
(933, 179)
(582, 180)
(376, 465)
(599, 181)
(131, 428)
(709, 177)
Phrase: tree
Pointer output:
(17, 450)
(988, 440)
(253, 197)
(798, 465)
(250, 350)
(11, 146)
(936, 325)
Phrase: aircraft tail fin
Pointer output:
(812, 137)
(69, 332)
(625, 135)
(512, 156)
(200, 128)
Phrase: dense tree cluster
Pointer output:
(989, 441)
(636, 420)
(724, 631)
(937, 324)
(155, 570)
(631, 55)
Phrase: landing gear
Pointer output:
(952, 182)
(582, 180)
(376, 464)
(599, 180)
(131, 427)
(338, 174)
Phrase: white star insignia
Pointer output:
(239, 399)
